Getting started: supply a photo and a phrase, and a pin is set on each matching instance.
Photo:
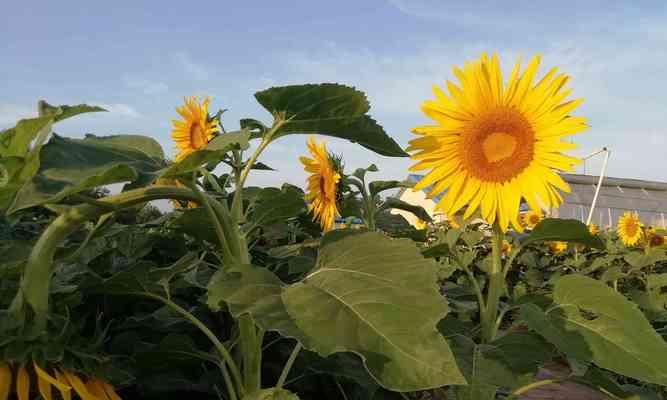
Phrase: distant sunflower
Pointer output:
(531, 219)
(655, 239)
(325, 174)
(420, 224)
(494, 144)
(62, 379)
(195, 130)
(629, 228)
(593, 229)
(176, 183)
(557, 246)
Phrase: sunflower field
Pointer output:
(239, 292)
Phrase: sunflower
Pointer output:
(655, 239)
(494, 144)
(323, 182)
(629, 228)
(420, 224)
(64, 381)
(593, 229)
(557, 246)
(506, 248)
(531, 219)
(196, 129)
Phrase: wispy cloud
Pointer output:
(119, 109)
(194, 69)
(146, 86)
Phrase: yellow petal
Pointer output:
(5, 380)
(64, 388)
(23, 384)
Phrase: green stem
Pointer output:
(228, 381)
(209, 334)
(251, 349)
(496, 283)
(475, 285)
(534, 385)
(288, 365)
(36, 280)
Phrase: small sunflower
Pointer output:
(64, 381)
(507, 248)
(593, 229)
(325, 175)
(176, 183)
(420, 224)
(495, 144)
(656, 239)
(196, 129)
(629, 228)
(531, 219)
(557, 247)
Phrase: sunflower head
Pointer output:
(323, 184)
(629, 228)
(656, 239)
(195, 129)
(63, 380)
(506, 248)
(531, 219)
(593, 229)
(495, 143)
(557, 247)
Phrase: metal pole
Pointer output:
(599, 185)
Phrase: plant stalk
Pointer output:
(496, 283)
(288, 365)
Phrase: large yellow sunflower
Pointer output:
(629, 228)
(495, 143)
(195, 130)
(64, 381)
(532, 218)
(322, 184)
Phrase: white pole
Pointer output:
(597, 189)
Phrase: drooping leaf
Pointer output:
(16, 141)
(273, 205)
(146, 144)
(328, 109)
(247, 289)
(418, 211)
(376, 297)
(63, 112)
(361, 172)
(568, 230)
(593, 322)
(376, 187)
(69, 166)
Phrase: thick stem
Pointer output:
(288, 365)
(251, 349)
(496, 284)
(35, 284)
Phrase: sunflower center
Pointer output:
(534, 219)
(631, 228)
(497, 145)
(197, 136)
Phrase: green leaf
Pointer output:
(196, 222)
(418, 211)
(379, 186)
(378, 298)
(146, 144)
(328, 109)
(361, 172)
(69, 166)
(639, 259)
(62, 112)
(271, 394)
(593, 322)
(213, 153)
(568, 230)
(247, 289)
(16, 141)
(274, 205)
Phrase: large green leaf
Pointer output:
(376, 297)
(16, 141)
(273, 205)
(328, 109)
(569, 230)
(593, 322)
(247, 289)
(138, 142)
(62, 112)
(69, 166)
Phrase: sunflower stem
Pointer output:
(496, 282)
(288, 365)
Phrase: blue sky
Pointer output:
(139, 58)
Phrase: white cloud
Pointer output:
(119, 109)
(194, 69)
(147, 87)
(10, 113)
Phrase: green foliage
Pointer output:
(568, 230)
